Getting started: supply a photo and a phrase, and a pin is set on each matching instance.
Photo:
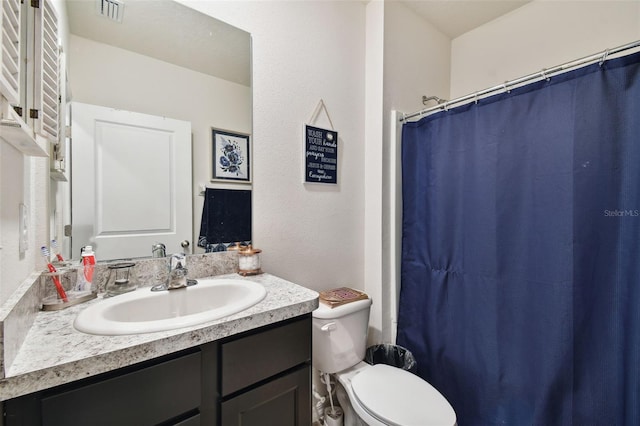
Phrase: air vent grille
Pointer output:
(111, 9)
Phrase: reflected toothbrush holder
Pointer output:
(120, 280)
(52, 300)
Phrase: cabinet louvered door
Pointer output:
(47, 69)
(10, 21)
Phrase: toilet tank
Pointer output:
(340, 335)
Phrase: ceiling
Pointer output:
(170, 32)
(174, 33)
(456, 17)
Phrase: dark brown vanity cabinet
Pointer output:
(261, 377)
(276, 390)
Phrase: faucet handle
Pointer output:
(158, 250)
(179, 272)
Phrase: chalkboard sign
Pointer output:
(321, 155)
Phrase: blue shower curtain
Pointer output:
(520, 294)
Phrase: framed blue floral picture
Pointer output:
(231, 156)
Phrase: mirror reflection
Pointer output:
(147, 89)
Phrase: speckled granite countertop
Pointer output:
(54, 353)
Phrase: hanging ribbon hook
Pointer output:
(321, 106)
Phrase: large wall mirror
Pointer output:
(148, 86)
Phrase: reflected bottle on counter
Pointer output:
(85, 277)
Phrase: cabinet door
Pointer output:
(10, 39)
(283, 402)
(47, 71)
(149, 396)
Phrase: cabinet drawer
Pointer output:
(145, 397)
(250, 359)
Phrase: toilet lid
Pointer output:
(397, 397)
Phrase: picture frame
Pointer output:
(320, 162)
(231, 156)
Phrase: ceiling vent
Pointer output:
(111, 9)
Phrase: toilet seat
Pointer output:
(398, 398)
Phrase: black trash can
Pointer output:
(393, 355)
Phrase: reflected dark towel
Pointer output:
(226, 217)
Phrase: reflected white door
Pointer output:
(131, 182)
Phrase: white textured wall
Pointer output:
(112, 77)
(24, 180)
(15, 267)
(304, 52)
(539, 35)
(416, 59)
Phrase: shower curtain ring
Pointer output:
(604, 57)
(506, 89)
(475, 98)
(544, 74)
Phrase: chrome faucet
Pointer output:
(177, 274)
(158, 250)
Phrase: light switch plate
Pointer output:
(23, 228)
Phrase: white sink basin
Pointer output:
(145, 311)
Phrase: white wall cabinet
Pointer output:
(10, 14)
(30, 76)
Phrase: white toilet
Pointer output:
(379, 394)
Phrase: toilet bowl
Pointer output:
(384, 395)
(378, 394)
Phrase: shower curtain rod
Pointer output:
(545, 73)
